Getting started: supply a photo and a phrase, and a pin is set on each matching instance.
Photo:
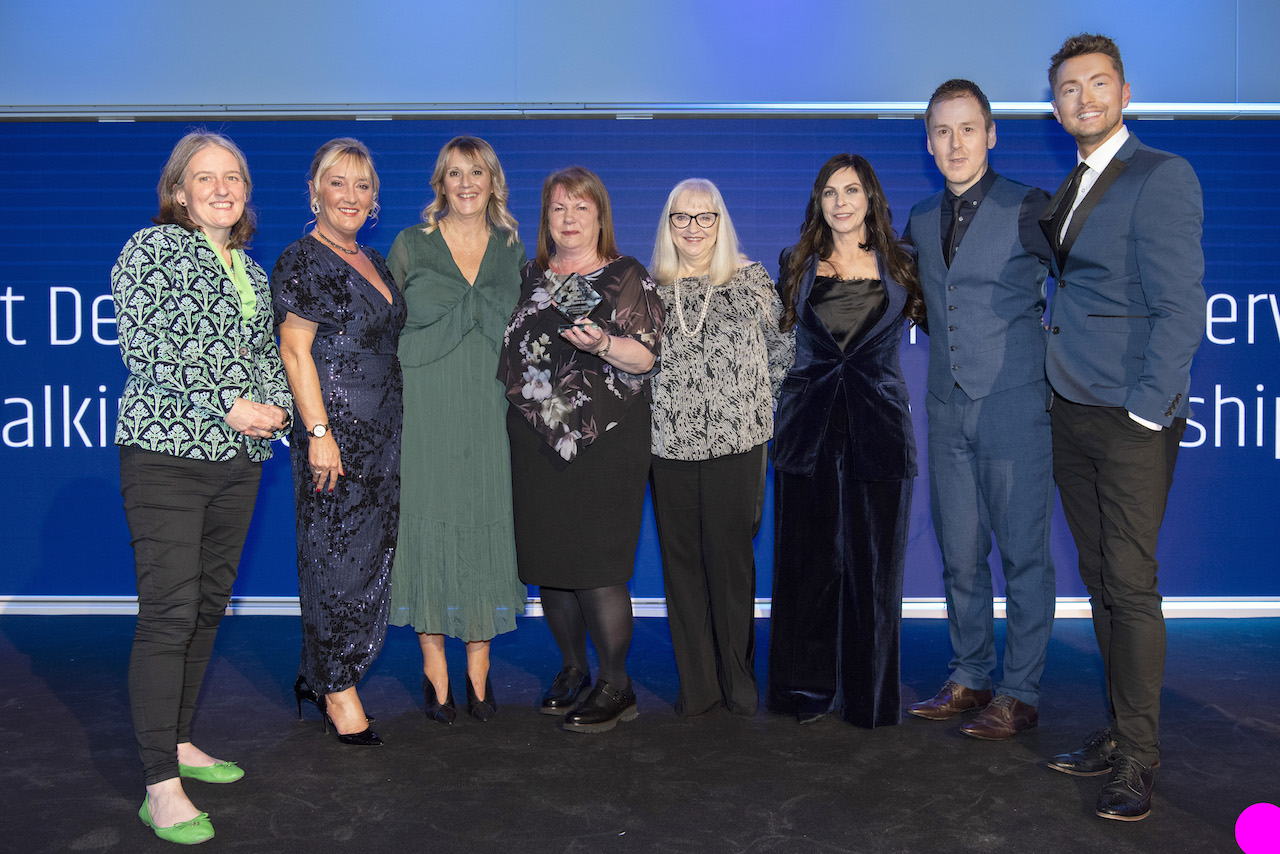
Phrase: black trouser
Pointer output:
(706, 515)
(1114, 475)
(188, 520)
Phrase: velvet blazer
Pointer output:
(870, 375)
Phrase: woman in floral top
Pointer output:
(578, 423)
(723, 360)
(206, 394)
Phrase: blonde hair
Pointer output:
(333, 152)
(725, 258)
(477, 151)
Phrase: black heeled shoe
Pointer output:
(433, 708)
(365, 738)
(565, 689)
(479, 709)
(303, 691)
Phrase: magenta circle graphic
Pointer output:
(1258, 829)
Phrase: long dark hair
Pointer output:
(816, 239)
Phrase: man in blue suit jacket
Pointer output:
(1127, 317)
(983, 262)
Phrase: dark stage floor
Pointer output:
(660, 784)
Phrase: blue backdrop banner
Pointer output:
(78, 190)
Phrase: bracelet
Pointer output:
(604, 351)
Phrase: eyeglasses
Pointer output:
(682, 220)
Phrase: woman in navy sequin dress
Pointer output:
(339, 315)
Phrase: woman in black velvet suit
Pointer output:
(843, 456)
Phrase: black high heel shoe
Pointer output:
(433, 708)
(303, 691)
(365, 738)
(479, 709)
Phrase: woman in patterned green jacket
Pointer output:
(206, 393)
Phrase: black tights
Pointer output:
(605, 613)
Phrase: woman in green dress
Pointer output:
(455, 566)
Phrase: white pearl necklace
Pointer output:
(702, 318)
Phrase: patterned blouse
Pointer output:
(189, 351)
(716, 392)
(567, 395)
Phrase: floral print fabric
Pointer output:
(569, 396)
(189, 351)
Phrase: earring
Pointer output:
(315, 206)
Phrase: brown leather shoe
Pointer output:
(953, 699)
(1005, 717)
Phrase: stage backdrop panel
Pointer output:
(78, 190)
(96, 58)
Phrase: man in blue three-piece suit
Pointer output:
(983, 262)
(1127, 317)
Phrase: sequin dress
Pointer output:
(346, 538)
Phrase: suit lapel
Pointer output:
(1049, 214)
(1096, 192)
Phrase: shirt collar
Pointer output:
(975, 194)
(1105, 152)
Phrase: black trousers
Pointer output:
(1114, 476)
(188, 520)
(706, 516)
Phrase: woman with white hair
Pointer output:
(723, 362)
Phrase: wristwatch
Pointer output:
(320, 430)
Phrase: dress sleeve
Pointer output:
(637, 309)
(398, 260)
(293, 287)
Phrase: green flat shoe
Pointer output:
(193, 832)
(223, 772)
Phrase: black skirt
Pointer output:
(577, 523)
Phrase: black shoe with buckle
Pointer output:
(1127, 794)
(604, 707)
(565, 689)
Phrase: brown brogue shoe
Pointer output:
(1003, 718)
(953, 699)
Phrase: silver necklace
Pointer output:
(702, 318)
(335, 245)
